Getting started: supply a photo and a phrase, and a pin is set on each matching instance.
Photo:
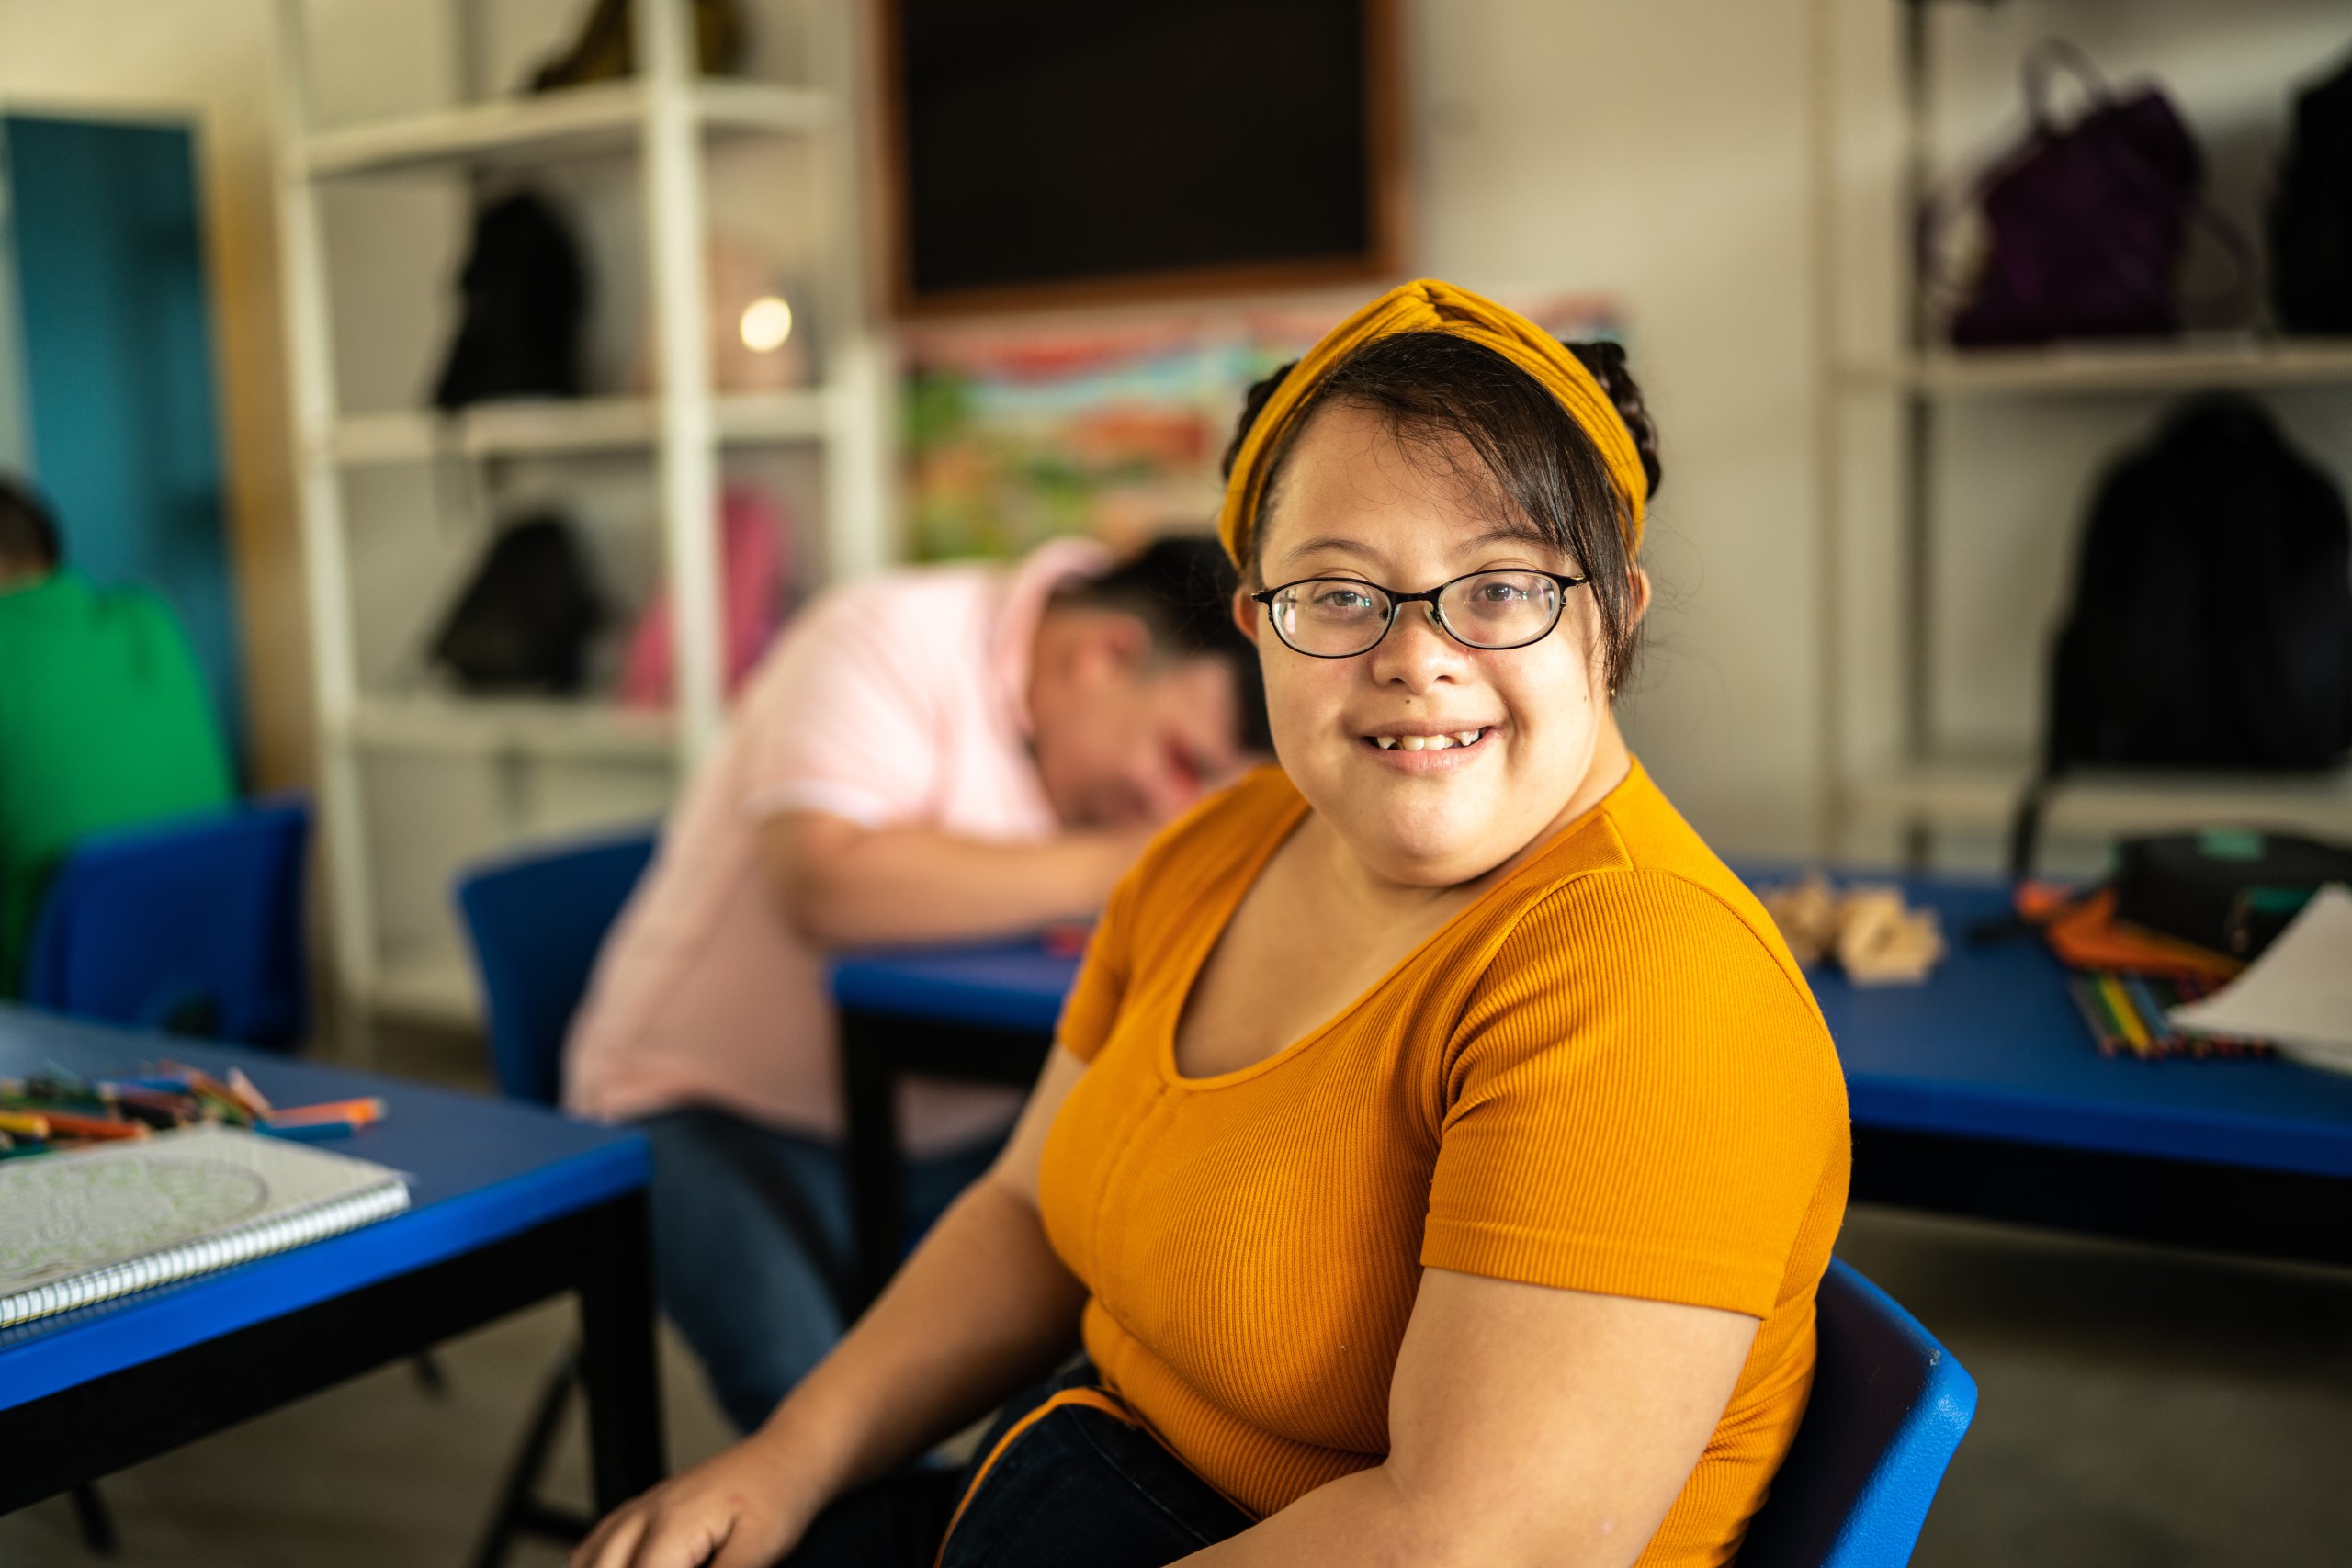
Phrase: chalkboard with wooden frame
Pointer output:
(1063, 152)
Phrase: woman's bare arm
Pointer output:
(1526, 1425)
(983, 1307)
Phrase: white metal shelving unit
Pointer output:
(1884, 769)
(663, 118)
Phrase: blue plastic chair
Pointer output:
(194, 925)
(1889, 1408)
(536, 919)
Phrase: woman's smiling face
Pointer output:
(1353, 501)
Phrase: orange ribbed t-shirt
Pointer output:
(1605, 1074)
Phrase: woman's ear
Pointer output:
(1640, 582)
(1245, 614)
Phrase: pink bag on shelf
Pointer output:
(754, 561)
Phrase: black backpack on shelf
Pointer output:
(527, 615)
(2310, 215)
(2212, 621)
(524, 296)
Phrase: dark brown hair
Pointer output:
(1181, 588)
(27, 532)
(1432, 387)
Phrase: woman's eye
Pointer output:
(1499, 593)
(1342, 599)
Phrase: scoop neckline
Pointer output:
(1296, 813)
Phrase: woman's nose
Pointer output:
(1416, 653)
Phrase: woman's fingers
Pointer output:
(613, 1543)
(682, 1538)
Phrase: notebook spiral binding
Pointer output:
(242, 1243)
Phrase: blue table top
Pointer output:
(1990, 1047)
(480, 1170)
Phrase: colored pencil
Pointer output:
(2086, 1002)
(24, 1123)
(359, 1113)
(63, 1124)
(247, 1093)
(2127, 1017)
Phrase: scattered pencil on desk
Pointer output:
(324, 1120)
(66, 1125)
(24, 1123)
(55, 1109)
(2128, 1016)
(248, 1094)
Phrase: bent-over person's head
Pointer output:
(1142, 694)
(1437, 516)
(28, 547)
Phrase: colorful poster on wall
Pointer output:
(1021, 431)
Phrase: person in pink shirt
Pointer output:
(936, 754)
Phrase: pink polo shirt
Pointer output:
(900, 700)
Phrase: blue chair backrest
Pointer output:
(193, 924)
(535, 920)
(1888, 1410)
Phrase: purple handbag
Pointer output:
(2087, 222)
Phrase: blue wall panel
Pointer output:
(116, 350)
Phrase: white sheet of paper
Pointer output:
(2297, 994)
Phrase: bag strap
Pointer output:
(2025, 825)
(2042, 61)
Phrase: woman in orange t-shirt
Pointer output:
(1441, 1150)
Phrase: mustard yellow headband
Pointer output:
(1429, 306)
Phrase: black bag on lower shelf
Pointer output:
(2212, 621)
(526, 619)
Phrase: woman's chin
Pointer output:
(1423, 848)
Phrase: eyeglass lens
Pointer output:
(1333, 617)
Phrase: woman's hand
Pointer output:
(736, 1509)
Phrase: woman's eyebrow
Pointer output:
(1505, 533)
(1337, 542)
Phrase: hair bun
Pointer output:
(1606, 362)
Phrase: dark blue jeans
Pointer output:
(1074, 1488)
(751, 1246)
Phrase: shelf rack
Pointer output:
(587, 122)
(663, 118)
(2134, 368)
(1914, 789)
(581, 424)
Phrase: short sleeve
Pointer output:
(842, 724)
(1641, 1101)
(1092, 1006)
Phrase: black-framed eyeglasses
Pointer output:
(1339, 617)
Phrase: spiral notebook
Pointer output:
(88, 1224)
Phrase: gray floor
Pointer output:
(2139, 1410)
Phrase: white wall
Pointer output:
(1656, 150)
